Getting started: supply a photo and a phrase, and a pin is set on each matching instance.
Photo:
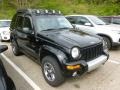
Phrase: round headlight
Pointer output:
(75, 52)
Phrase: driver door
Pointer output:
(29, 41)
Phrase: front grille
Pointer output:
(91, 52)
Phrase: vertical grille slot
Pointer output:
(91, 52)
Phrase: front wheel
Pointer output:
(108, 42)
(51, 71)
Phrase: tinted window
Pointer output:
(27, 23)
(71, 20)
(116, 20)
(19, 22)
(82, 20)
(106, 19)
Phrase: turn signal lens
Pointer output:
(73, 67)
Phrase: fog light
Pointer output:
(74, 74)
(73, 67)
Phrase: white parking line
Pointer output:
(21, 73)
(113, 61)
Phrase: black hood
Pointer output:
(71, 38)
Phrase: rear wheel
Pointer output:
(15, 48)
(51, 71)
(108, 42)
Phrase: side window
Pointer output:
(82, 20)
(107, 20)
(71, 20)
(19, 22)
(27, 23)
(116, 21)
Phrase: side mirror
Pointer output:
(26, 30)
(88, 24)
(3, 48)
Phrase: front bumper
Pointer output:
(5, 37)
(87, 66)
(96, 62)
(116, 40)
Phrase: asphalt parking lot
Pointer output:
(103, 78)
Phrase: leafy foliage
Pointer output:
(97, 7)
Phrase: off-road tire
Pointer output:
(59, 77)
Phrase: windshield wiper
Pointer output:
(65, 28)
(49, 29)
(100, 24)
(107, 24)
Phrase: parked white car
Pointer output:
(4, 30)
(91, 23)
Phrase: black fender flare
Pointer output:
(59, 55)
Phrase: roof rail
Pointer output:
(39, 11)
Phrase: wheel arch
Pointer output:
(13, 38)
(56, 53)
(104, 35)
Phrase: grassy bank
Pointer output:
(8, 7)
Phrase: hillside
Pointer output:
(96, 7)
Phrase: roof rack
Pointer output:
(24, 10)
(40, 11)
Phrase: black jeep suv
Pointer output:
(49, 38)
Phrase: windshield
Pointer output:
(52, 22)
(5, 23)
(97, 21)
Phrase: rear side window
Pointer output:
(106, 19)
(19, 22)
(116, 21)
